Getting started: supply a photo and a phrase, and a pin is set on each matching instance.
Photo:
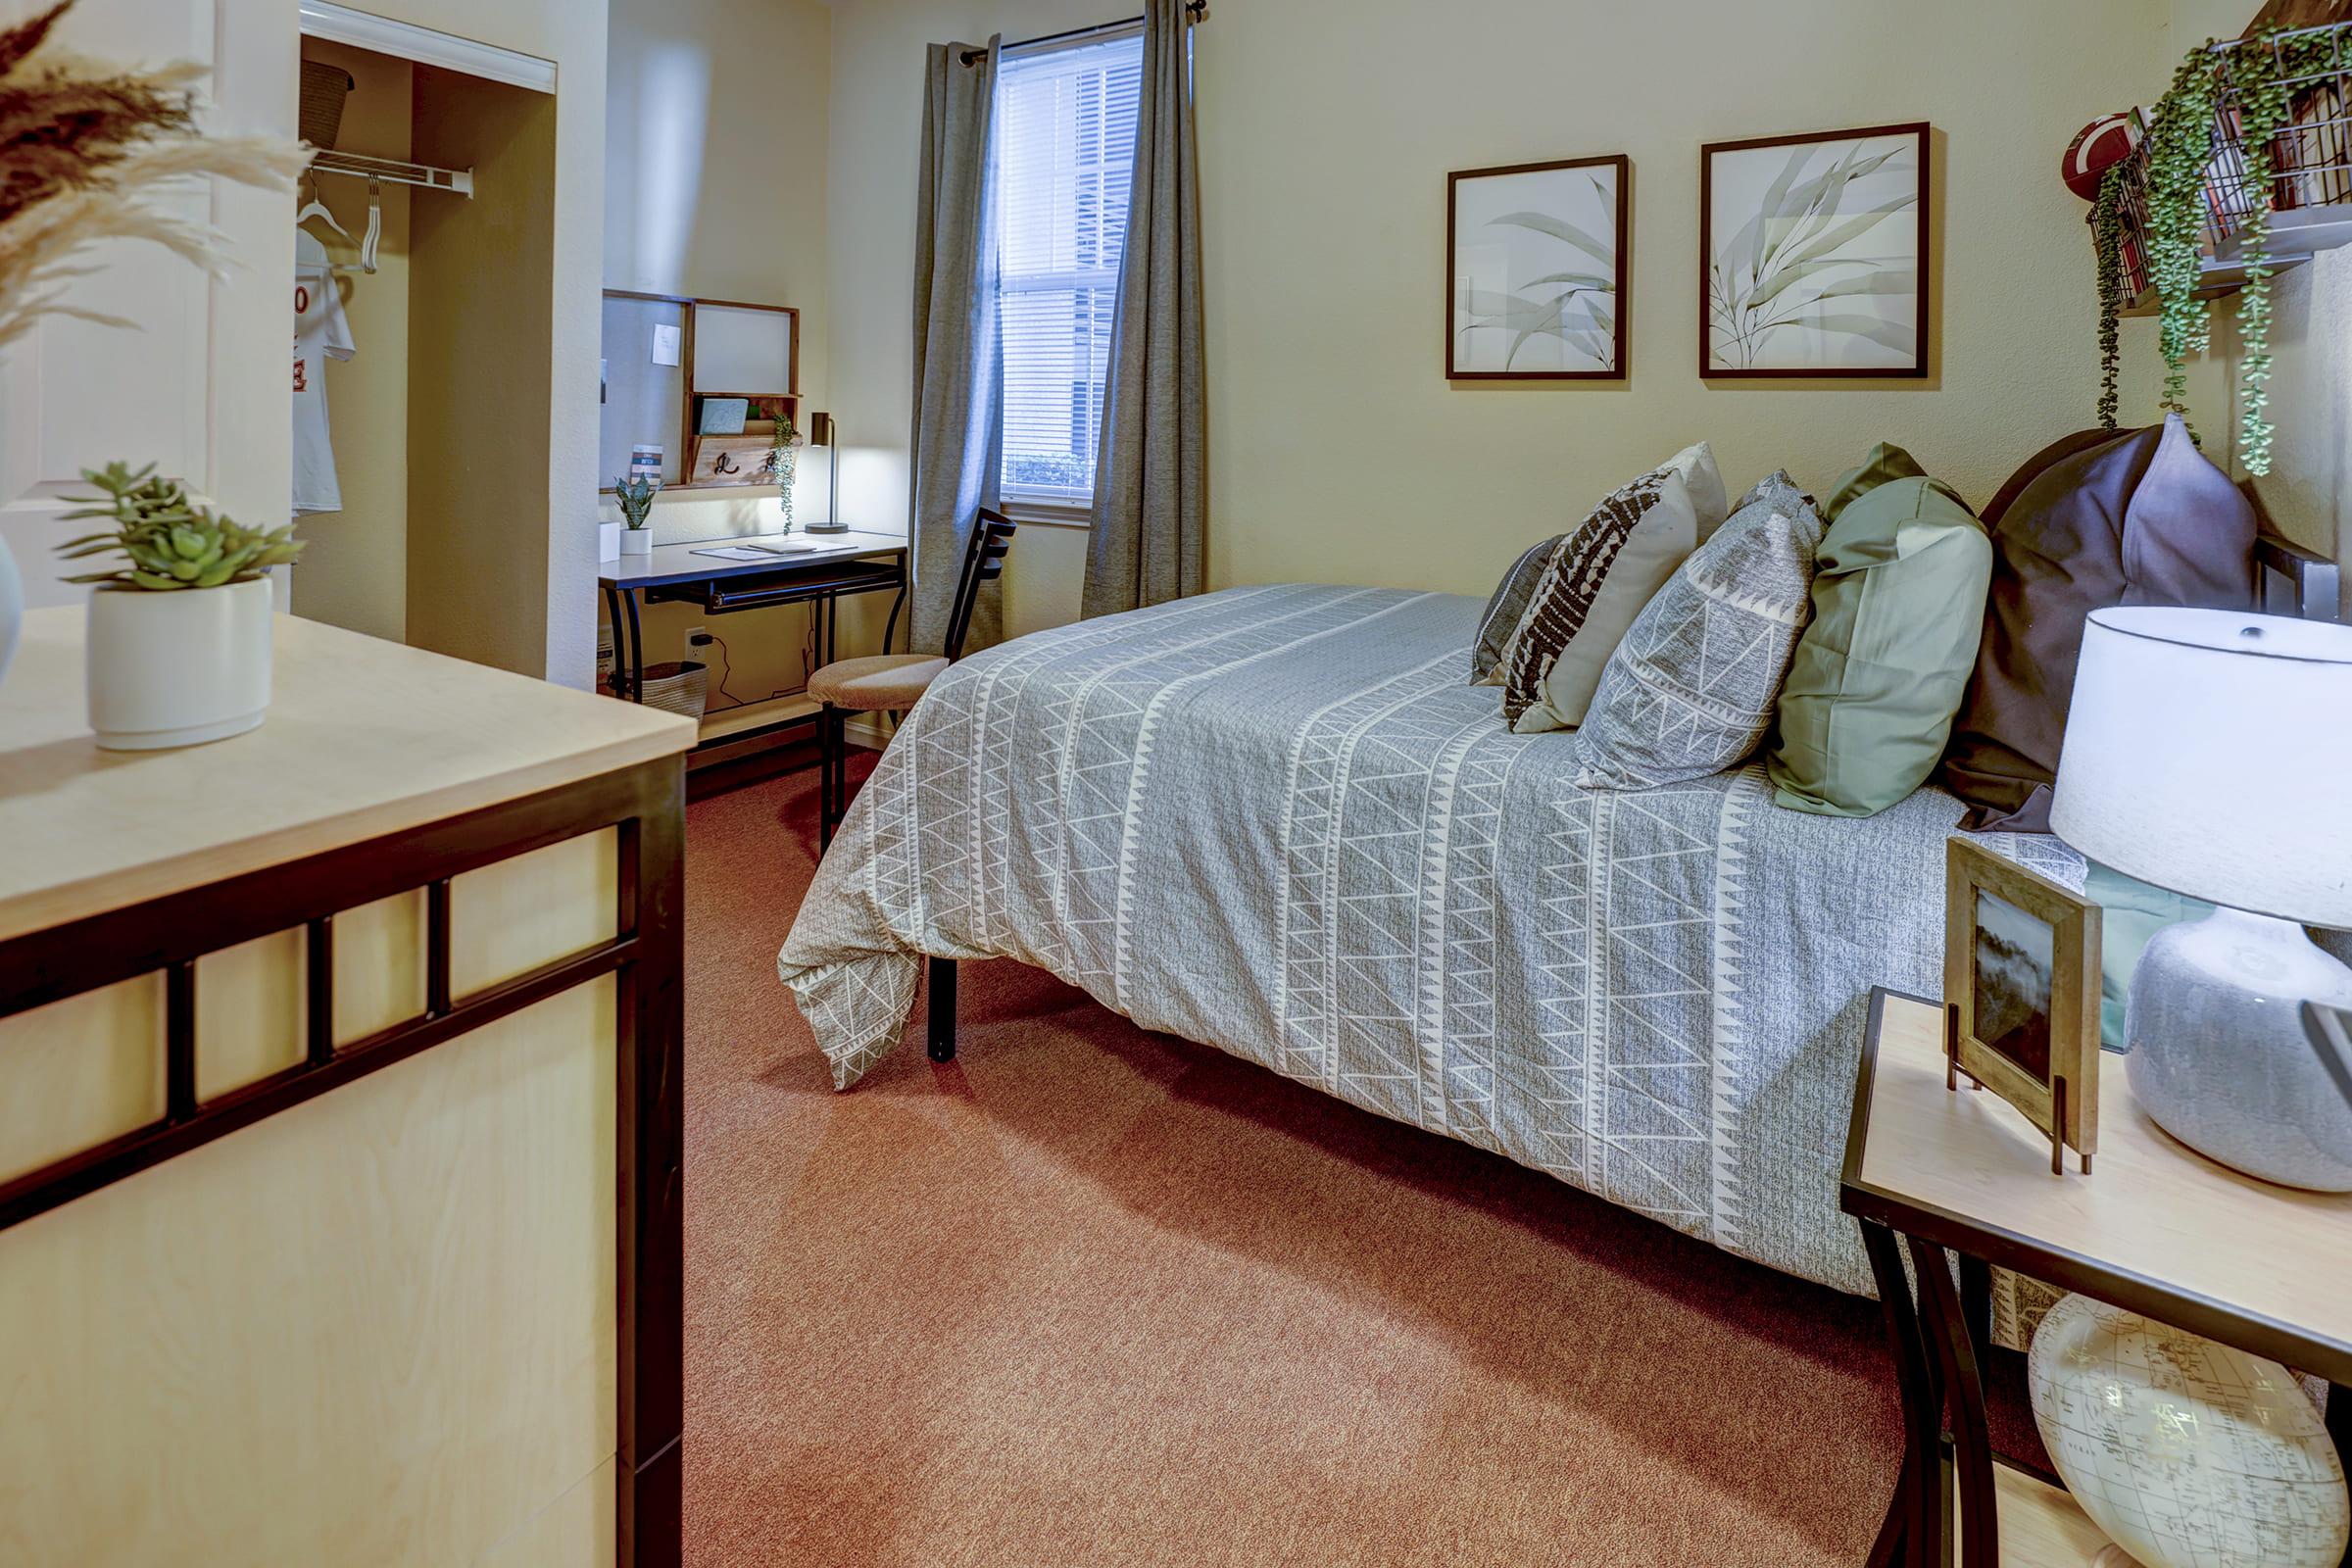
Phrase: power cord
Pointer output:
(726, 667)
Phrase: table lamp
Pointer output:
(822, 439)
(2210, 752)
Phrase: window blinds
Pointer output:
(1065, 146)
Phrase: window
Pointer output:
(1065, 143)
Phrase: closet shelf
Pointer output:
(393, 170)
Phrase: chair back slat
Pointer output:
(983, 561)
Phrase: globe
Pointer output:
(2187, 1454)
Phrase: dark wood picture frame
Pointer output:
(689, 436)
(1621, 335)
(2065, 1105)
(1707, 152)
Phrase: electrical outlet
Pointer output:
(695, 638)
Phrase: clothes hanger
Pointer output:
(315, 208)
(376, 225)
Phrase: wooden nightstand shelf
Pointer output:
(2159, 1230)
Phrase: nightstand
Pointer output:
(2159, 1230)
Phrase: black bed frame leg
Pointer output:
(942, 1032)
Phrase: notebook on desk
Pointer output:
(790, 547)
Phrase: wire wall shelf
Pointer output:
(2310, 189)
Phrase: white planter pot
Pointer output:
(608, 541)
(637, 540)
(179, 667)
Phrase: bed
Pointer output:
(1276, 820)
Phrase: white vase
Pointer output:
(636, 541)
(177, 667)
(12, 608)
(608, 541)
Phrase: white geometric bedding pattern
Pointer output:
(1277, 821)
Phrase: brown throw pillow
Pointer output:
(2066, 445)
(2144, 518)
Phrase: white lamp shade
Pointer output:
(2210, 752)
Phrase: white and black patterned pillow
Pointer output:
(1692, 689)
(1595, 582)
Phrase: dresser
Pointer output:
(340, 1187)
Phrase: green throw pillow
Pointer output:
(2131, 912)
(1886, 462)
(1898, 603)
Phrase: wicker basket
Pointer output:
(678, 688)
(323, 89)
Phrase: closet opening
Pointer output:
(424, 289)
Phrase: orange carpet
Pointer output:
(1092, 1296)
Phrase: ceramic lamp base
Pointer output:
(2219, 1056)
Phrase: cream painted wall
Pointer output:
(354, 570)
(550, 568)
(716, 143)
(1338, 450)
(481, 309)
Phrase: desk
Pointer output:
(839, 565)
(2160, 1230)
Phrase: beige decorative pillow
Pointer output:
(1596, 581)
(1696, 465)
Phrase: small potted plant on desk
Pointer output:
(179, 644)
(635, 498)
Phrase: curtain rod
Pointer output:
(1196, 10)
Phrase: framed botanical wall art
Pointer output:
(1813, 255)
(1534, 286)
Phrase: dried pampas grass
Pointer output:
(83, 147)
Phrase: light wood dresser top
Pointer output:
(365, 737)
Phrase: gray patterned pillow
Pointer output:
(1691, 688)
(1503, 609)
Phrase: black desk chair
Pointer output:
(892, 683)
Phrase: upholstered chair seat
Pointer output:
(884, 683)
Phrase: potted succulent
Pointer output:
(179, 644)
(635, 498)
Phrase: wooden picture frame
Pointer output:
(2021, 961)
(1544, 220)
(1744, 318)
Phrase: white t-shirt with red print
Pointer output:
(320, 334)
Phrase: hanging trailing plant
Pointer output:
(783, 460)
(2250, 79)
(2180, 147)
(2260, 68)
(2107, 236)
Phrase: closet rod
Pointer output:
(1196, 10)
(393, 170)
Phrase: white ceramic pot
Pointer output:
(12, 608)
(637, 540)
(179, 667)
(608, 541)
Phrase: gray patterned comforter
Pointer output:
(1276, 820)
